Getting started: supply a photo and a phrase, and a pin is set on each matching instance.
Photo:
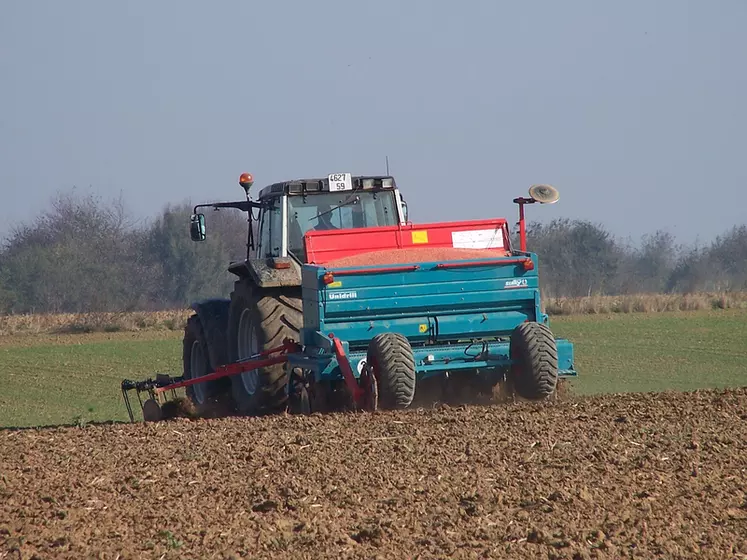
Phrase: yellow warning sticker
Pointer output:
(337, 284)
(423, 328)
(420, 236)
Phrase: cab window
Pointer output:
(344, 210)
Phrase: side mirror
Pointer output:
(404, 211)
(197, 227)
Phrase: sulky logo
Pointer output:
(516, 283)
(343, 295)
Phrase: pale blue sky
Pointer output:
(618, 104)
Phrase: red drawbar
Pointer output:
(331, 245)
(261, 360)
(347, 371)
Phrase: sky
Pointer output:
(635, 111)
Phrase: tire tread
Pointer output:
(395, 370)
(280, 317)
(536, 375)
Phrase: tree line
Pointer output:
(579, 258)
(83, 254)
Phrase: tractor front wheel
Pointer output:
(391, 358)
(258, 321)
(534, 373)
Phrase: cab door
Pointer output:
(272, 230)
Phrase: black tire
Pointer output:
(272, 315)
(534, 374)
(390, 355)
(196, 362)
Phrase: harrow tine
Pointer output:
(152, 411)
(126, 398)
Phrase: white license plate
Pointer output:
(340, 182)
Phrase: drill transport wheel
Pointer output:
(534, 374)
(371, 387)
(391, 358)
(299, 400)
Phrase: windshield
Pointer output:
(337, 211)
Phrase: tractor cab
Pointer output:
(289, 209)
(292, 208)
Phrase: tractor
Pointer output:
(265, 306)
(342, 301)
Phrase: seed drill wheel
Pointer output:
(260, 320)
(534, 373)
(371, 388)
(299, 400)
(152, 411)
(391, 359)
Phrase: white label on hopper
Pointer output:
(478, 239)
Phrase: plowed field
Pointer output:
(632, 476)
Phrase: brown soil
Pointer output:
(628, 476)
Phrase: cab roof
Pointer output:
(321, 185)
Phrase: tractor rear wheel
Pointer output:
(534, 373)
(391, 358)
(258, 321)
(196, 361)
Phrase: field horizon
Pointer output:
(73, 378)
(175, 319)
